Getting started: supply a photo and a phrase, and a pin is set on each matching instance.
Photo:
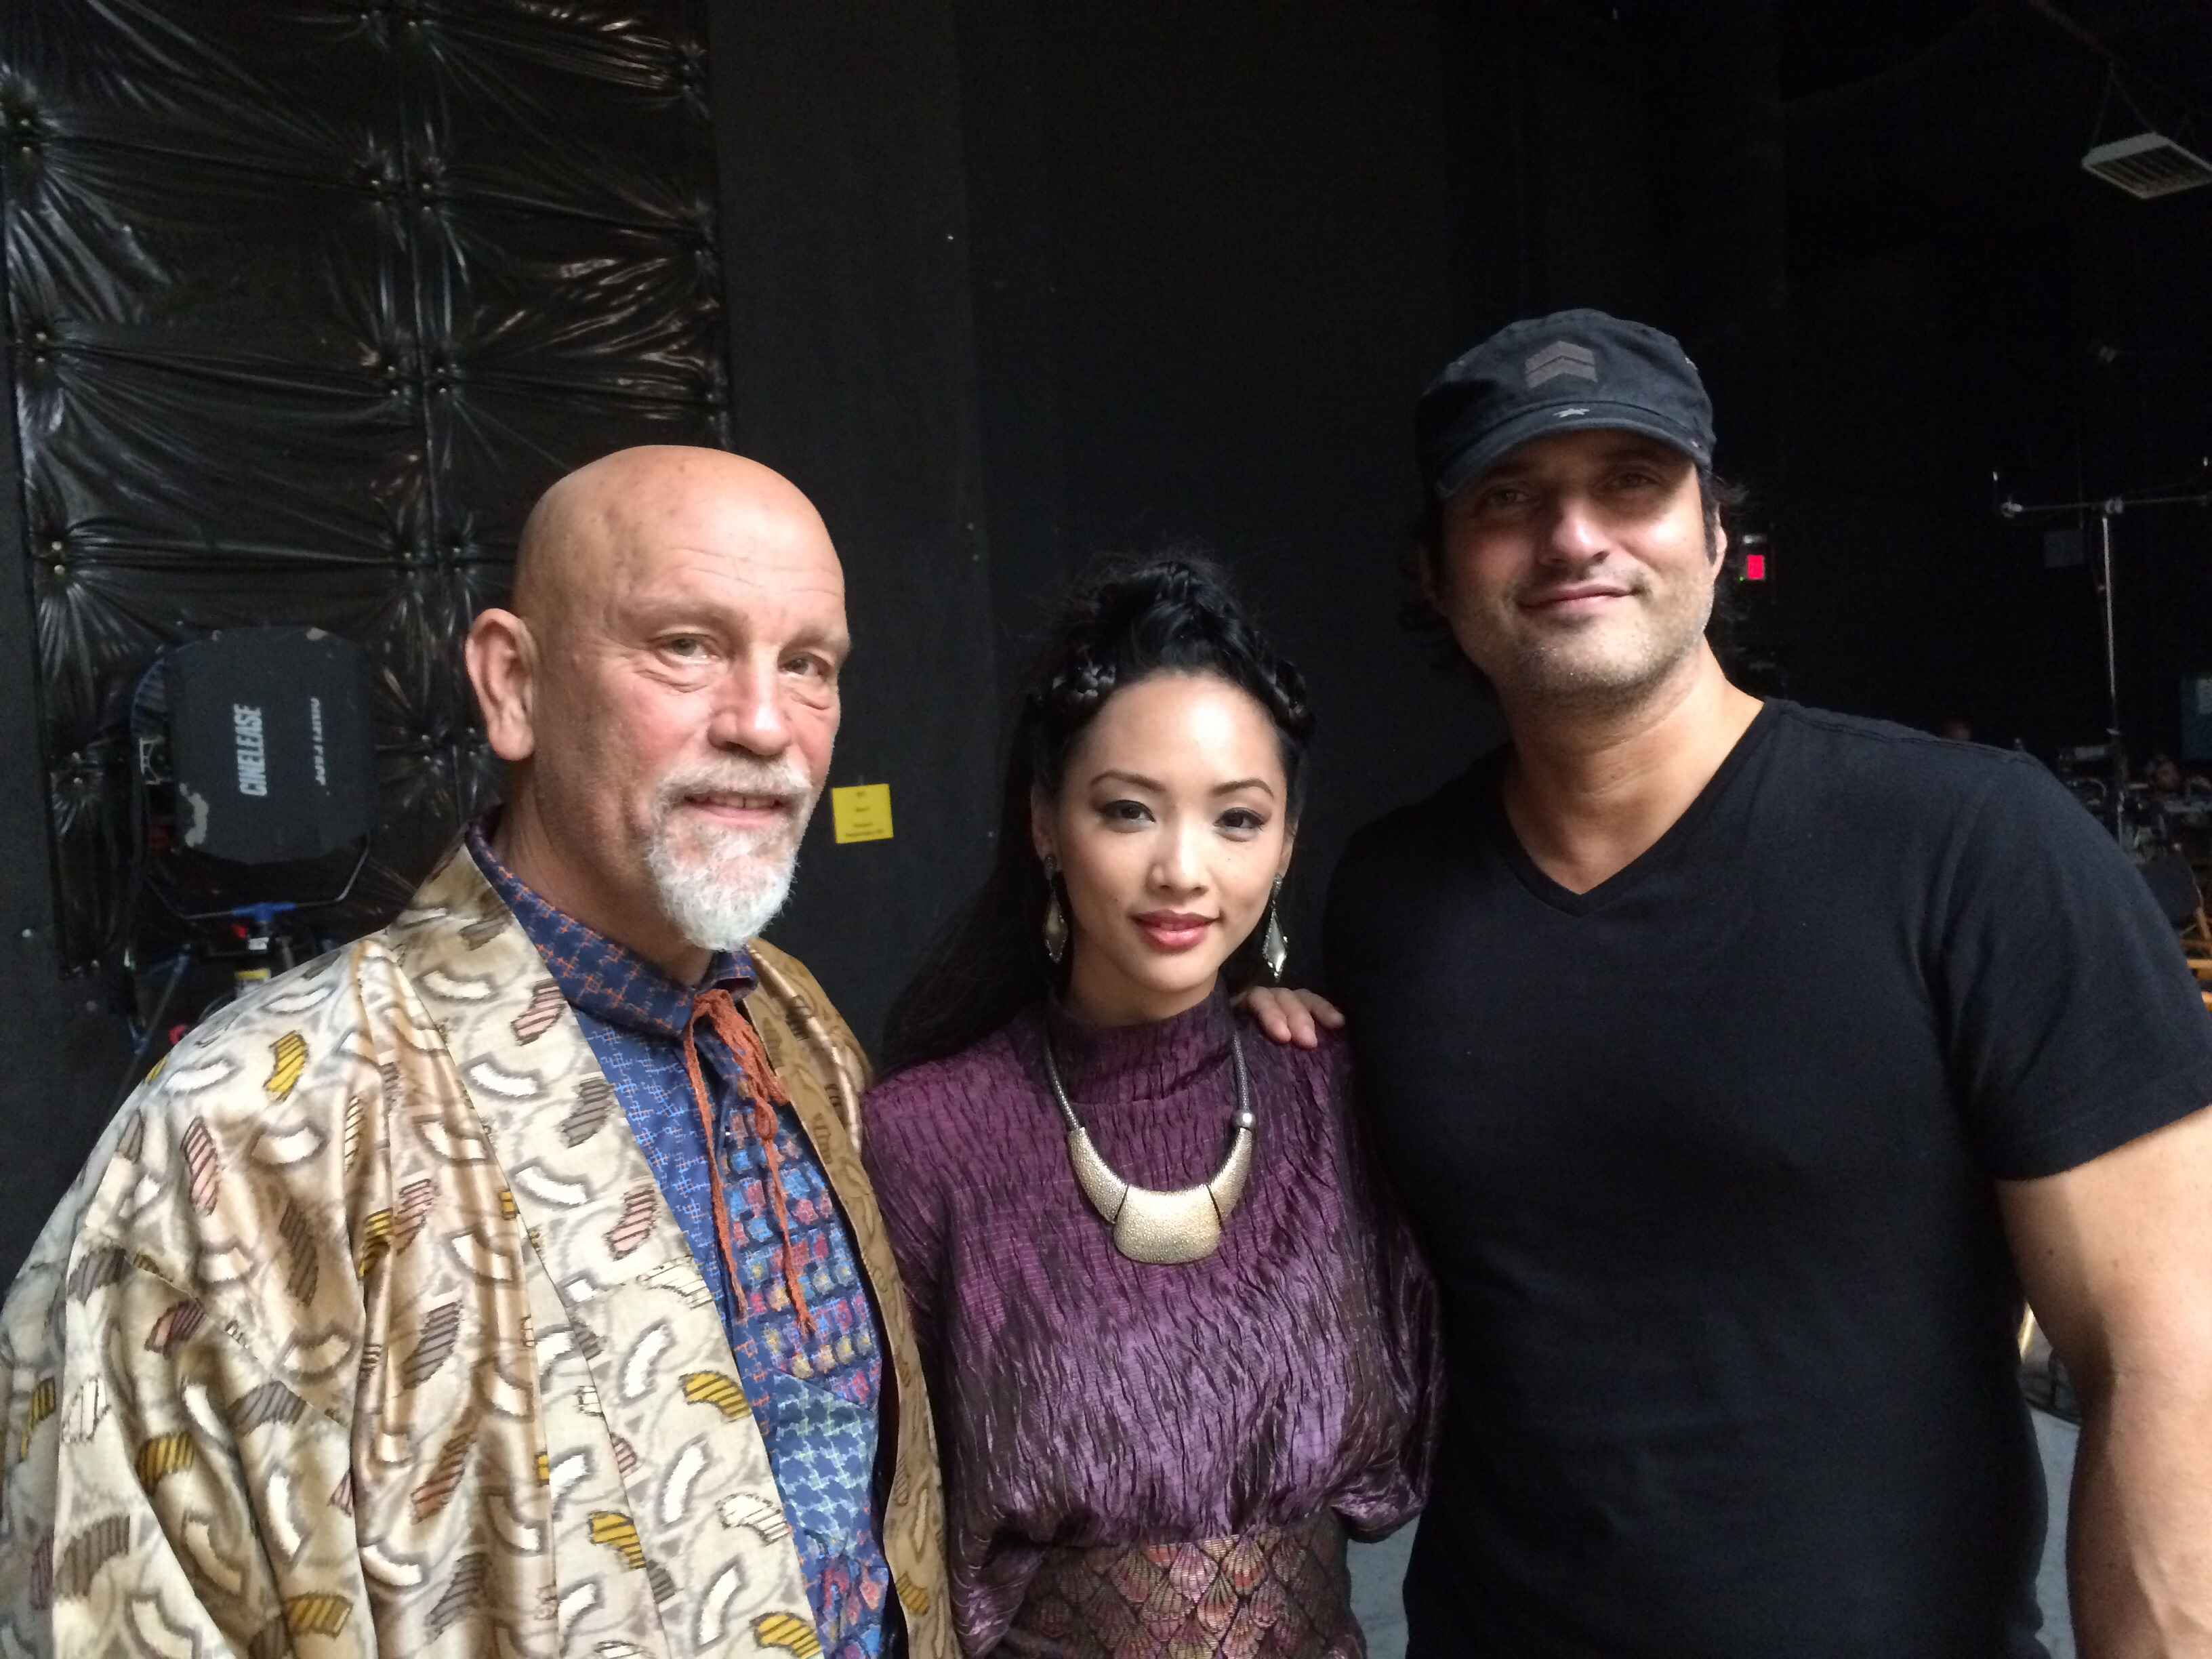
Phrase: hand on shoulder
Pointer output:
(1290, 1015)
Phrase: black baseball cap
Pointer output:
(1568, 372)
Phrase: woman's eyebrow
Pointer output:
(1137, 778)
(1140, 780)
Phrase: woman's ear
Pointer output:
(1041, 828)
(1290, 846)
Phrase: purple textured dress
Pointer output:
(1145, 1460)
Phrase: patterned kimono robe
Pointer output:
(366, 1330)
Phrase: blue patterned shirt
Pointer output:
(815, 1402)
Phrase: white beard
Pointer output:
(725, 885)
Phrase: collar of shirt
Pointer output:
(597, 976)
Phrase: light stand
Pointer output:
(2108, 509)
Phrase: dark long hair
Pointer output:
(1169, 614)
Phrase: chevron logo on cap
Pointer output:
(1560, 357)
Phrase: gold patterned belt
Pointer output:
(1272, 1593)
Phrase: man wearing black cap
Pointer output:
(1739, 1064)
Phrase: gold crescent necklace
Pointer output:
(1160, 1229)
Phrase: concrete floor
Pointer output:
(1378, 1568)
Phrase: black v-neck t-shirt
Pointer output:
(1703, 1162)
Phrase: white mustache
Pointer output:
(779, 780)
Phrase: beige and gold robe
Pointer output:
(366, 1330)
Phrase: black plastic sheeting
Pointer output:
(307, 303)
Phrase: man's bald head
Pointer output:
(664, 688)
(607, 512)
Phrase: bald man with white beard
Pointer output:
(507, 1280)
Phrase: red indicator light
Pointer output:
(1754, 567)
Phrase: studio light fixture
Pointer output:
(2147, 165)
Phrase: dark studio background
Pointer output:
(1006, 283)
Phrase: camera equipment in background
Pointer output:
(2113, 807)
(2162, 816)
(253, 794)
(2196, 717)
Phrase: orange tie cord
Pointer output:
(758, 1083)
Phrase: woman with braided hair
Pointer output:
(1178, 1343)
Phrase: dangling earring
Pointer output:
(1274, 948)
(1055, 919)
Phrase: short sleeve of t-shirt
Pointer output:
(2074, 1025)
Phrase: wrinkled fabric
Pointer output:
(815, 1400)
(366, 1322)
(1085, 1401)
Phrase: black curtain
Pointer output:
(307, 302)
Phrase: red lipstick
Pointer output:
(1172, 930)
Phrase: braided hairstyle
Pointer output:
(1136, 618)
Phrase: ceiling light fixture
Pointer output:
(2147, 166)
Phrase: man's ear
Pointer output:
(1426, 573)
(502, 662)
(1720, 548)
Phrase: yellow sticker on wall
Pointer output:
(863, 811)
